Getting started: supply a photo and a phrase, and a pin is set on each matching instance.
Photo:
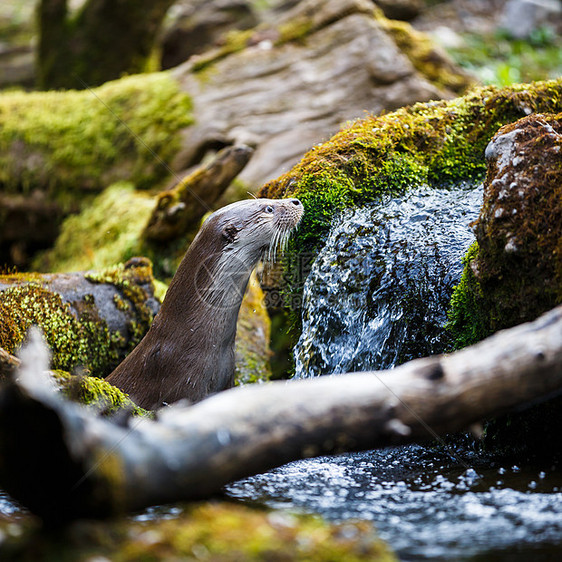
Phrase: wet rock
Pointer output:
(520, 226)
(514, 272)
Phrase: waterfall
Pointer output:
(379, 290)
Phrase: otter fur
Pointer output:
(188, 352)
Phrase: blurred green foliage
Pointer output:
(501, 60)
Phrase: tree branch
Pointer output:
(93, 467)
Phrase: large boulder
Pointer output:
(513, 273)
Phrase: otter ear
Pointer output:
(229, 233)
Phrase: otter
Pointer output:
(188, 351)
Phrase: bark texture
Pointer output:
(102, 41)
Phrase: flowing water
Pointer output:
(377, 295)
(378, 292)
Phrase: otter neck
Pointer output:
(216, 284)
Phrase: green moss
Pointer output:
(467, 318)
(211, 532)
(85, 341)
(106, 232)
(97, 393)
(67, 141)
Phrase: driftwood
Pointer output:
(63, 463)
(182, 206)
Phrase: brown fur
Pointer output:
(189, 350)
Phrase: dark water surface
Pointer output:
(424, 503)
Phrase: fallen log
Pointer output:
(62, 462)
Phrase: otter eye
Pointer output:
(229, 233)
(269, 209)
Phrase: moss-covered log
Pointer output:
(101, 41)
(91, 467)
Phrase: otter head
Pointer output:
(252, 228)
(241, 234)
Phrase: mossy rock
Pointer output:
(67, 142)
(428, 143)
(513, 273)
(96, 393)
(211, 531)
(89, 320)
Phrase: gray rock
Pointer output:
(283, 96)
(521, 17)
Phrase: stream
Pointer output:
(377, 296)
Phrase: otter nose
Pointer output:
(296, 202)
